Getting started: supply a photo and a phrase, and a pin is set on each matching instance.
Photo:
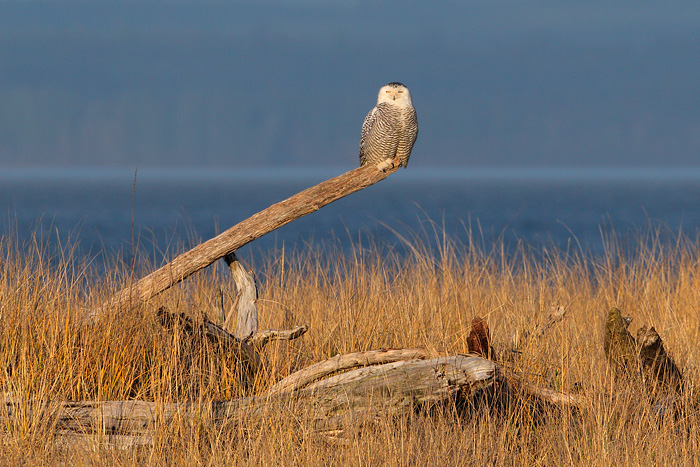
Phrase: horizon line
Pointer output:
(510, 173)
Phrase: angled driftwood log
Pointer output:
(277, 215)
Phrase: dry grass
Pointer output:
(365, 300)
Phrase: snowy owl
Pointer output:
(390, 128)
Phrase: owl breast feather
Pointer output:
(388, 131)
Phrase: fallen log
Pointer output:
(378, 391)
(360, 395)
(345, 362)
(387, 388)
(254, 227)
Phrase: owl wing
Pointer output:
(411, 133)
(364, 137)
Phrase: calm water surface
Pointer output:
(171, 207)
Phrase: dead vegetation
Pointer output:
(543, 320)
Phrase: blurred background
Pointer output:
(538, 120)
(196, 83)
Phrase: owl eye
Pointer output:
(388, 92)
(400, 92)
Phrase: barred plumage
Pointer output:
(390, 128)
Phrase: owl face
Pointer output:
(395, 94)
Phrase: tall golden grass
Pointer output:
(367, 298)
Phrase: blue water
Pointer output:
(175, 209)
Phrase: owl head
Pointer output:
(395, 94)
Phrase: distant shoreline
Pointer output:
(311, 174)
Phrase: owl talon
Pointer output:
(386, 164)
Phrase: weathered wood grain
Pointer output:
(245, 308)
(344, 362)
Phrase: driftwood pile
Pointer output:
(359, 388)
(346, 389)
